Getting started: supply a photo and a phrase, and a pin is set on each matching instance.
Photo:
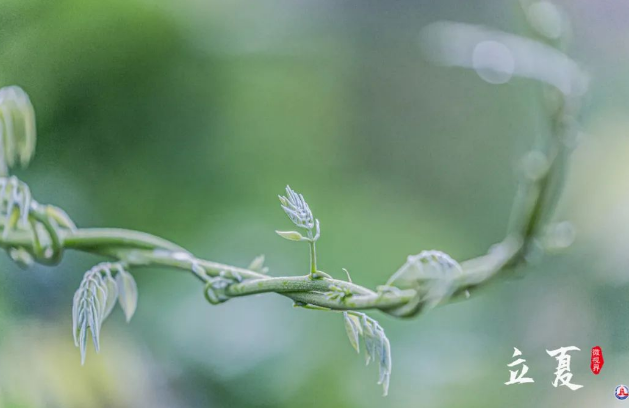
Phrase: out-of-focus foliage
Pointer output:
(183, 118)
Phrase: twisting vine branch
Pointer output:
(33, 232)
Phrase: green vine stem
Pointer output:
(139, 249)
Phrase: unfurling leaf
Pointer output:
(377, 346)
(297, 209)
(353, 329)
(290, 235)
(127, 293)
(92, 303)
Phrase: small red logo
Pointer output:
(596, 364)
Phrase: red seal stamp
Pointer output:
(597, 361)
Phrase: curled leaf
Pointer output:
(127, 293)
(290, 235)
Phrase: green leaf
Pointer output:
(127, 293)
(290, 235)
(353, 329)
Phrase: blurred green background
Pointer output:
(186, 119)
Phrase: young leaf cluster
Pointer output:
(377, 347)
(96, 297)
(298, 211)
